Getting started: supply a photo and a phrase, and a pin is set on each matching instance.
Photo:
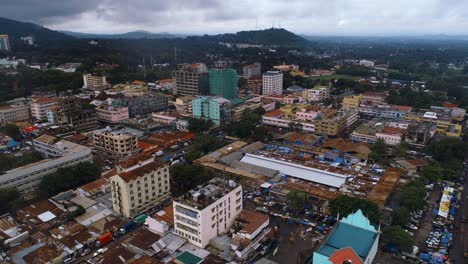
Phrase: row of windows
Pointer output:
(193, 238)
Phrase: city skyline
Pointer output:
(337, 17)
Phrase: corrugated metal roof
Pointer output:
(297, 171)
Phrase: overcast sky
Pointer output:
(330, 17)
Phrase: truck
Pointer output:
(104, 239)
(127, 227)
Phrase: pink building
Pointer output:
(110, 114)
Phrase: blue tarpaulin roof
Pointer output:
(12, 144)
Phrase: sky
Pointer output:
(312, 17)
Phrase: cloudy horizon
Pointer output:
(314, 17)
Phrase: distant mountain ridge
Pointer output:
(16, 29)
(139, 34)
(271, 36)
(49, 38)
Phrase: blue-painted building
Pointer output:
(352, 238)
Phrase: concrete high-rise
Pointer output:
(272, 83)
(223, 82)
(252, 70)
(4, 43)
(216, 109)
(191, 79)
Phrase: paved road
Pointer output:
(460, 240)
(426, 223)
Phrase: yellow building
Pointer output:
(139, 187)
(351, 102)
(443, 124)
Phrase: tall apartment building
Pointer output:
(144, 105)
(61, 153)
(272, 83)
(140, 187)
(223, 82)
(183, 105)
(14, 113)
(92, 82)
(111, 114)
(252, 70)
(255, 85)
(4, 43)
(318, 94)
(39, 107)
(70, 112)
(216, 109)
(207, 211)
(351, 102)
(191, 79)
(116, 145)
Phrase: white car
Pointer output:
(99, 252)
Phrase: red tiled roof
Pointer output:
(252, 220)
(341, 255)
(167, 217)
(95, 186)
(140, 171)
(42, 100)
(273, 113)
(402, 107)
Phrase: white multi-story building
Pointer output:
(94, 82)
(39, 107)
(207, 211)
(272, 83)
(318, 94)
(14, 113)
(61, 153)
(140, 187)
(110, 114)
(116, 145)
(252, 70)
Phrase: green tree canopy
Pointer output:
(296, 199)
(401, 216)
(378, 149)
(186, 177)
(345, 205)
(202, 145)
(400, 150)
(412, 195)
(12, 131)
(69, 178)
(10, 200)
(397, 236)
(198, 125)
(449, 152)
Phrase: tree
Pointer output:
(198, 125)
(10, 200)
(202, 144)
(412, 195)
(449, 152)
(397, 236)
(296, 199)
(186, 177)
(401, 216)
(345, 205)
(13, 131)
(68, 178)
(401, 150)
(262, 134)
(378, 150)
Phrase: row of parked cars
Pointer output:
(413, 225)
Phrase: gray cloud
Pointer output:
(213, 16)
